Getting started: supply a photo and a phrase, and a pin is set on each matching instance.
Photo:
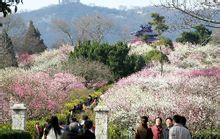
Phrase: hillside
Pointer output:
(129, 19)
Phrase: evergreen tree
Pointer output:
(7, 54)
(32, 41)
(201, 35)
(115, 56)
(159, 23)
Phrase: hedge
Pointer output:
(14, 134)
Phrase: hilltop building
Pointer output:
(68, 1)
(145, 33)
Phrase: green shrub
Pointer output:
(14, 134)
(201, 35)
(207, 134)
(114, 56)
(114, 132)
(5, 126)
(155, 55)
(191, 37)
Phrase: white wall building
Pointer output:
(68, 1)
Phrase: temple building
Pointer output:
(145, 33)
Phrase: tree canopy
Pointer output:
(202, 11)
(201, 35)
(32, 41)
(6, 5)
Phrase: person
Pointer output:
(88, 133)
(84, 118)
(53, 131)
(169, 124)
(143, 132)
(38, 130)
(178, 131)
(73, 132)
(157, 129)
(183, 121)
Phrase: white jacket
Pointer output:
(178, 131)
(52, 135)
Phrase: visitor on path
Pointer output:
(39, 130)
(73, 132)
(88, 131)
(74, 121)
(84, 118)
(53, 131)
(157, 129)
(178, 131)
(169, 124)
(143, 132)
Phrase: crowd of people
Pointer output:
(54, 129)
(89, 103)
(175, 129)
(72, 130)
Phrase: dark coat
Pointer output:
(71, 135)
(143, 132)
(166, 133)
(88, 134)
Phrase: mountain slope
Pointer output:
(129, 19)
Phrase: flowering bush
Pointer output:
(24, 59)
(178, 91)
(43, 86)
(43, 93)
(50, 61)
(140, 49)
(191, 56)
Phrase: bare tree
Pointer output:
(92, 27)
(200, 10)
(15, 28)
(125, 33)
(64, 27)
(13, 25)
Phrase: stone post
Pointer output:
(18, 116)
(101, 121)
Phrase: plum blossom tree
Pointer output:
(43, 93)
(178, 91)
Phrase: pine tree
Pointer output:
(7, 54)
(32, 41)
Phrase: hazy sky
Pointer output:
(36, 4)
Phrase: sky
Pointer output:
(29, 5)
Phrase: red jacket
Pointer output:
(157, 132)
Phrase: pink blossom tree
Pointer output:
(43, 93)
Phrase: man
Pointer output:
(143, 132)
(169, 124)
(178, 131)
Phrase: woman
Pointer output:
(157, 129)
(53, 131)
